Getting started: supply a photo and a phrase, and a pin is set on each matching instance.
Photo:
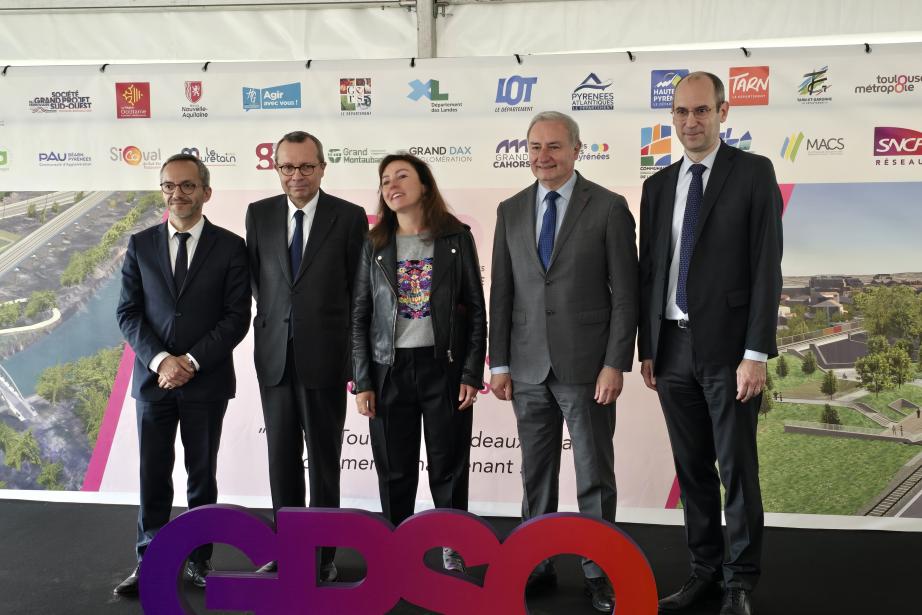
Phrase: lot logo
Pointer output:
(135, 157)
(749, 85)
(132, 100)
(438, 101)
(194, 94)
(591, 95)
(828, 146)
(512, 91)
(891, 84)
(594, 151)
(814, 88)
(443, 153)
(511, 154)
(287, 96)
(63, 101)
(355, 96)
(902, 142)
(662, 87)
(212, 157)
(354, 155)
(64, 159)
(655, 149)
(744, 142)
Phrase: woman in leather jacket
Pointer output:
(418, 341)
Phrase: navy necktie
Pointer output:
(181, 268)
(689, 222)
(548, 226)
(296, 249)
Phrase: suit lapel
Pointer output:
(524, 226)
(723, 163)
(324, 217)
(386, 259)
(205, 244)
(162, 249)
(578, 202)
(666, 210)
(277, 214)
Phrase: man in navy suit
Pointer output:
(184, 306)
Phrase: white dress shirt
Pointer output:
(309, 210)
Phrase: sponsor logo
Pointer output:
(443, 153)
(354, 96)
(287, 96)
(212, 157)
(264, 156)
(821, 146)
(662, 87)
(438, 100)
(132, 100)
(64, 159)
(4, 159)
(744, 142)
(891, 84)
(655, 149)
(591, 95)
(194, 92)
(594, 151)
(814, 88)
(354, 155)
(749, 85)
(511, 154)
(512, 91)
(135, 157)
(63, 101)
(897, 146)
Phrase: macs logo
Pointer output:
(591, 95)
(286, 96)
(892, 141)
(355, 96)
(511, 154)
(132, 100)
(514, 90)
(655, 148)
(821, 146)
(662, 87)
(749, 85)
(743, 143)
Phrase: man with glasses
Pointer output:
(184, 306)
(710, 277)
(304, 247)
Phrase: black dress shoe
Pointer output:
(541, 580)
(600, 592)
(736, 602)
(272, 566)
(196, 572)
(693, 591)
(128, 587)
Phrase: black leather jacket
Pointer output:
(459, 316)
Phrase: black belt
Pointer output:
(681, 323)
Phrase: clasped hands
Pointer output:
(174, 372)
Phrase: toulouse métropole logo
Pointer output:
(395, 568)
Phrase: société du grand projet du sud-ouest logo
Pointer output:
(655, 149)
(287, 96)
(354, 96)
(592, 95)
(748, 85)
(431, 90)
(61, 101)
(662, 86)
(132, 100)
(512, 93)
(895, 146)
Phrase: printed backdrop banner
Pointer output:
(81, 147)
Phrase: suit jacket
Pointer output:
(318, 297)
(734, 278)
(582, 313)
(207, 318)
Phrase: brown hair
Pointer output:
(437, 219)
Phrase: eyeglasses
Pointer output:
(700, 113)
(185, 187)
(307, 169)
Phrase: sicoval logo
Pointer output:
(892, 141)
(131, 155)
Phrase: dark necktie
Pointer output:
(689, 222)
(548, 226)
(182, 261)
(296, 249)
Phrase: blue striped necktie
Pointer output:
(548, 226)
(689, 222)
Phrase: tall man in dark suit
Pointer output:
(710, 277)
(304, 247)
(184, 306)
(563, 318)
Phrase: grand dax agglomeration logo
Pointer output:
(194, 90)
(443, 153)
(134, 156)
(814, 87)
(286, 96)
(64, 159)
(748, 85)
(592, 95)
(62, 101)
(514, 93)
(897, 83)
(662, 86)
(655, 149)
(354, 96)
(895, 146)
(431, 90)
(132, 100)
(511, 154)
